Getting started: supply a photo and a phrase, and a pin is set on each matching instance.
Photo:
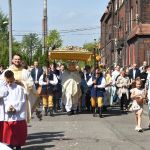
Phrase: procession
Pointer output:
(72, 84)
(69, 89)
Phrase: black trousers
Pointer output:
(123, 102)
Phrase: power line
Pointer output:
(65, 30)
(62, 34)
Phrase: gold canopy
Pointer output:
(70, 55)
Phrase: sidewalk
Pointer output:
(145, 107)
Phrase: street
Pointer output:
(84, 132)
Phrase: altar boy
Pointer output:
(15, 126)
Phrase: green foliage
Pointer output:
(89, 46)
(30, 46)
(54, 40)
(3, 39)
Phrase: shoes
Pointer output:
(69, 113)
(101, 116)
(94, 115)
(139, 129)
(39, 115)
(51, 113)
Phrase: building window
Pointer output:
(131, 17)
(116, 5)
(120, 2)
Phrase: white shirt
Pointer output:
(53, 82)
(114, 76)
(134, 71)
(102, 85)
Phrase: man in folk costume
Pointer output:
(15, 126)
(3, 93)
(71, 91)
(23, 78)
(47, 80)
(97, 83)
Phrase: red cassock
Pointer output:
(15, 132)
(1, 130)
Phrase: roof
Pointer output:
(70, 55)
(141, 29)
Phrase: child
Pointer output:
(138, 95)
(15, 126)
(3, 93)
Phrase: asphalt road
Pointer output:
(84, 132)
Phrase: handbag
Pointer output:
(134, 106)
(39, 90)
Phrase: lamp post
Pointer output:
(10, 30)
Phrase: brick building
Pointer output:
(125, 32)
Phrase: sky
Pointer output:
(67, 15)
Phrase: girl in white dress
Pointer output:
(138, 96)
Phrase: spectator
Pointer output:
(123, 83)
(36, 72)
(142, 68)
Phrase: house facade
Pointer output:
(125, 33)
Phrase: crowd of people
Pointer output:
(67, 88)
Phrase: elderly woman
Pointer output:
(123, 83)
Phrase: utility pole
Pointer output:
(10, 30)
(44, 26)
(94, 54)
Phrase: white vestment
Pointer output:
(70, 90)
(15, 98)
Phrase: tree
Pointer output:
(30, 46)
(54, 40)
(89, 46)
(92, 47)
(3, 39)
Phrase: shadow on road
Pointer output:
(40, 141)
(114, 111)
(146, 129)
(38, 147)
